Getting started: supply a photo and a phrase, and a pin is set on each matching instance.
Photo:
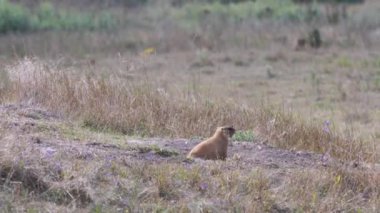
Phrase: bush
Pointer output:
(16, 18)
(281, 10)
(13, 17)
(47, 17)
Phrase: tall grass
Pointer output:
(140, 108)
(121, 105)
(335, 189)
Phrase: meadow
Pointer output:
(101, 101)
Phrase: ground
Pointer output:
(63, 163)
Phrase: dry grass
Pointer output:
(59, 173)
(89, 165)
(107, 184)
(292, 132)
(334, 190)
(121, 105)
(141, 108)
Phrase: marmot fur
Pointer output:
(214, 148)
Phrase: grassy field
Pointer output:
(98, 111)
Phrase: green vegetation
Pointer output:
(244, 136)
(192, 15)
(46, 17)
(156, 150)
(17, 18)
(13, 17)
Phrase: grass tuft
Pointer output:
(244, 136)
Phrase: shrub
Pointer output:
(192, 15)
(16, 18)
(47, 17)
(13, 17)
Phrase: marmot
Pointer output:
(214, 148)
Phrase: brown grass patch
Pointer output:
(27, 177)
(21, 178)
(338, 189)
(140, 108)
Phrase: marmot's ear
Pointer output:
(228, 128)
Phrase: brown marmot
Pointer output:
(214, 148)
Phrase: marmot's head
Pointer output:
(227, 131)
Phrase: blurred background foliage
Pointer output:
(82, 26)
